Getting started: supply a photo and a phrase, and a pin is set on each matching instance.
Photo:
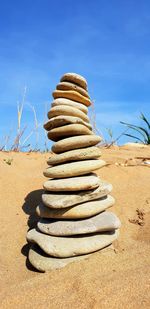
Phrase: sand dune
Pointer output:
(110, 279)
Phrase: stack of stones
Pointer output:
(73, 218)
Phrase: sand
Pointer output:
(116, 278)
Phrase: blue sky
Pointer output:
(105, 41)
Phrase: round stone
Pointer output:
(71, 86)
(67, 111)
(60, 121)
(75, 142)
(73, 184)
(41, 261)
(73, 169)
(74, 78)
(67, 199)
(75, 155)
(67, 131)
(71, 246)
(80, 211)
(103, 222)
(72, 95)
(63, 101)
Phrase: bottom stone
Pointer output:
(43, 262)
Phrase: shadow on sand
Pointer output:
(31, 201)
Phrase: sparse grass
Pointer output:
(144, 132)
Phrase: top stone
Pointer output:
(74, 78)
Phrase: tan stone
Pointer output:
(62, 120)
(73, 184)
(67, 111)
(73, 168)
(67, 131)
(80, 211)
(71, 246)
(103, 222)
(71, 86)
(75, 142)
(63, 101)
(63, 200)
(43, 262)
(75, 155)
(74, 78)
(72, 95)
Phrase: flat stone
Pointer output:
(72, 95)
(76, 142)
(72, 86)
(67, 111)
(74, 168)
(67, 199)
(103, 222)
(43, 262)
(75, 155)
(59, 121)
(88, 182)
(63, 101)
(75, 78)
(80, 211)
(71, 246)
(68, 130)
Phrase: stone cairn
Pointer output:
(73, 218)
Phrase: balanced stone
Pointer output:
(43, 262)
(71, 246)
(103, 222)
(63, 200)
(80, 211)
(75, 78)
(76, 142)
(59, 121)
(71, 86)
(72, 95)
(67, 111)
(73, 184)
(74, 168)
(75, 155)
(67, 131)
(64, 101)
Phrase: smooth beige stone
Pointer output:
(71, 246)
(72, 95)
(43, 262)
(63, 101)
(80, 211)
(75, 142)
(103, 222)
(59, 121)
(72, 86)
(73, 184)
(63, 200)
(74, 78)
(75, 155)
(67, 111)
(67, 131)
(73, 168)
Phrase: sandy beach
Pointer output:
(115, 278)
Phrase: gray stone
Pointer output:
(71, 246)
(67, 111)
(67, 199)
(92, 152)
(103, 222)
(76, 142)
(62, 120)
(67, 131)
(80, 211)
(88, 182)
